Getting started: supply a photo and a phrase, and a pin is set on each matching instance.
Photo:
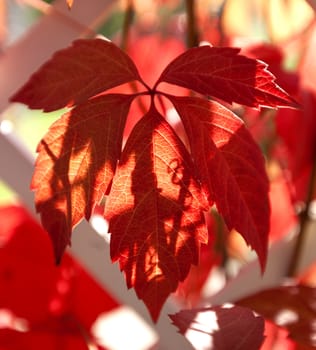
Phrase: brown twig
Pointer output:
(192, 32)
(127, 23)
(304, 219)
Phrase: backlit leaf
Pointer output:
(154, 208)
(223, 73)
(230, 166)
(76, 162)
(159, 189)
(74, 74)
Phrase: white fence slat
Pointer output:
(249, 279)
(54, 31)
(17, 168)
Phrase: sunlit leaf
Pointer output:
(154, 208)
(223, 73)
(76, 162)
(74, 74)
(231, 168)
(158, 191)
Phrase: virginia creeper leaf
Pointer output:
(76, 73)
(221, 327)
(223, 73)
(154, 208)
(158, 194)
(76, 162)
(230, 166)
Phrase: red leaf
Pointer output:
(297, 128)
(155, 204)
(74, 74)
(277, 338)
(283, 216)
(26, 262)
(292, 307)
(76, 163)
(189, 291)
(223, 73)
(56, 333)
(221, 328)
(156, 52)
(154, 209)
(231, 168)
(48, 299)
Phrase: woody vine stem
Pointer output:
(127, 23)
(192, 31)
(304, 218)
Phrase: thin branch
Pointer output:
(127, 23)
(192, 32)
(221, 24)
(304, 219)
(128, 20)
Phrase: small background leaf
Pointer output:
(292, 307)
(221, 327)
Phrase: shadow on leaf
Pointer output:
(76, 163)
(155, 212)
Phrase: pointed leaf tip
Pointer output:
(225, 74)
